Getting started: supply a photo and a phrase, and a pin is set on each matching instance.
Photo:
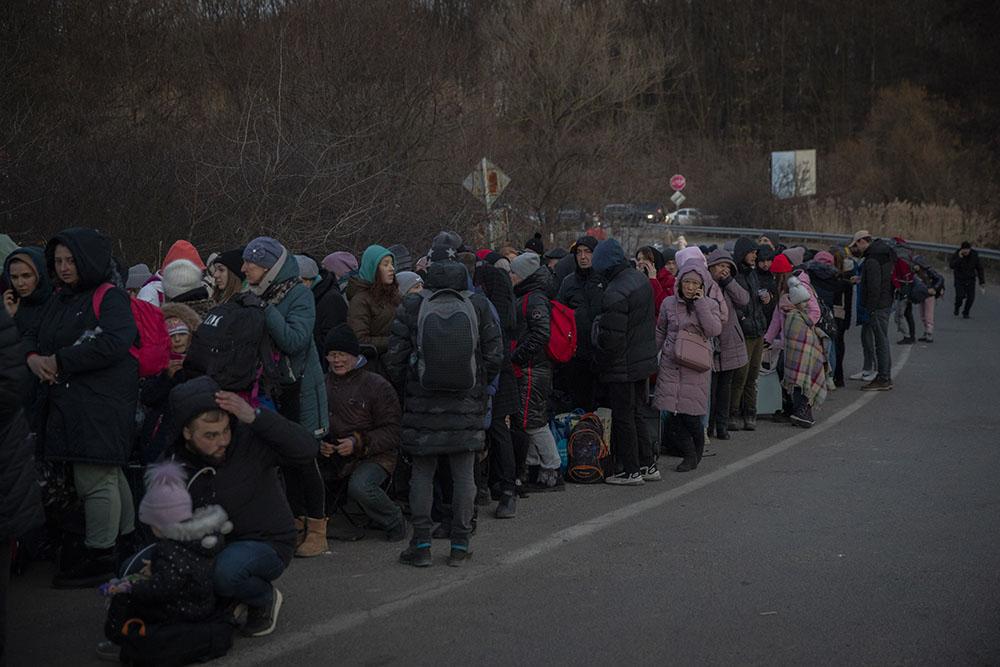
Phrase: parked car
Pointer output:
(650, 212)
(619, 214)
(691, 216)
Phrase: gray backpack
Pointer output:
(447, 341)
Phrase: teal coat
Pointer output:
(290, 324)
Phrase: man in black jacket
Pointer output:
(20, 500)
(753, 321)
(232, 453)
(534, 370)
(625, 351)
(877, 295)
(967, 268)
(582, 291)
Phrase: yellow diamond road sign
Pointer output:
(486, 182)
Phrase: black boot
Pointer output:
(97, 567)
(507, 507)
(688, 464)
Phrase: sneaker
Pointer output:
(507, 507)
(396, 533)
(261, 620)
(878, 385)
(803, 420)
(459, 554)
(108, 651)
(519, 488)
(418, 556)
(906, 340)
(926, 338)
(750, 423)
(626, 479)
(687, 465)
(864, 376)
(650, 473)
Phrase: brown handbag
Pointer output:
(692, 350)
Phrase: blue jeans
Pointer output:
(365, 488)
(244, 571)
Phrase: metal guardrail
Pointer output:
(839, 239)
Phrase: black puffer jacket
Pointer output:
(625, 330)
(530, 356)
(29, 309)
(20, 500)
(753, 320)
(331, 310)
(876, 276)
(437, 422)
(90, 412)
(583, 291)
(497, 287)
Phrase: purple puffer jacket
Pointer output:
(680, 389)
(731, 340)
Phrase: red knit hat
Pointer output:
(781, 264)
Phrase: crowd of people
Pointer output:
(177, 437)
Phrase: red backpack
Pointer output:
(562, 330)
(153, 351)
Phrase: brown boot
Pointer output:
(315, 542)
(300, 531)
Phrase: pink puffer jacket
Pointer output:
(680, 389)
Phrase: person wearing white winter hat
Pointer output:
(805, 367)
(180, 277)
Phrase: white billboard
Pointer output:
(793, 173)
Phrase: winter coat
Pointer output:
(363, 404)
(967, 269)
(496, 286)
(437, 422)
(583, 291)
(752, 317)
(20, 498)
(680, 389)
(813, 312)
(246, 484)
(369, 320)
(825, 280)
(331, 310)
(29, 308)
(877, 291)
(625, 330)
(732, 350)
(531, 361)
(766, 280)
(291, 323)
(90, 412)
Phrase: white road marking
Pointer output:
(286, 643)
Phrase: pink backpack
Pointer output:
(153, 351)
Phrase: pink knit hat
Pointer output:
(167, 501)
(823, 257)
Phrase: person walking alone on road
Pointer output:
(967, 268)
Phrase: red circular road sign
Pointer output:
(677, 182)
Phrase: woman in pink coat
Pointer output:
(682, 391)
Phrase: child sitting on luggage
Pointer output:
(175, 586)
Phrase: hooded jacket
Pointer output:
(877, 291)
(20, 498)
(90, 412)
(753, 320)
(291, 323)
(29, 308)
(496, 286)
(583, 291)
(437, 422)
(680, 389)
(967, 269)
(363, 404)
(530, 356)
(331, 309)
(732, 344)
(624, 331)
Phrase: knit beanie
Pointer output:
(137, 276)
(181, 276)
(442, 253)
(176, 325)
(166, 501)
(781, 264)
(233, 260)
(483, 253)
(340, 263)
(796, 255)
(402, 260)
(192, 398)
(797, 292)
(448, 239)
(535, 244)
(307, 267)
(587, 241)
(406, 280)
(263, 251)
(524, 265)
(823, 257)
(182, 250)
(765, 254)
(342, 339)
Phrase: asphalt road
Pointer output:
(872, 539)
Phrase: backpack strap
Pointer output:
(98, 297)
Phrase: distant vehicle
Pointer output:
(690, 216)
(571, 217)
(619, 214)
(650, 212)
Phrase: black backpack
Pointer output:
(587, 453)
(447, 341)
(232, 346)
(154, 644)
(827, 322)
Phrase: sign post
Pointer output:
(487, 182)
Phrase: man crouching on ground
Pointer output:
(232, 453)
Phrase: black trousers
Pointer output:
(5, 547)
(722, 387)
(630, 438)
(503, 466)
(304, 486)
(688, 435)
(965, 291)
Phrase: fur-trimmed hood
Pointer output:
(182, 312)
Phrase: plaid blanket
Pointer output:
(805, 358)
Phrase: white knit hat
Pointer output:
(797, 292)
(180, 276)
